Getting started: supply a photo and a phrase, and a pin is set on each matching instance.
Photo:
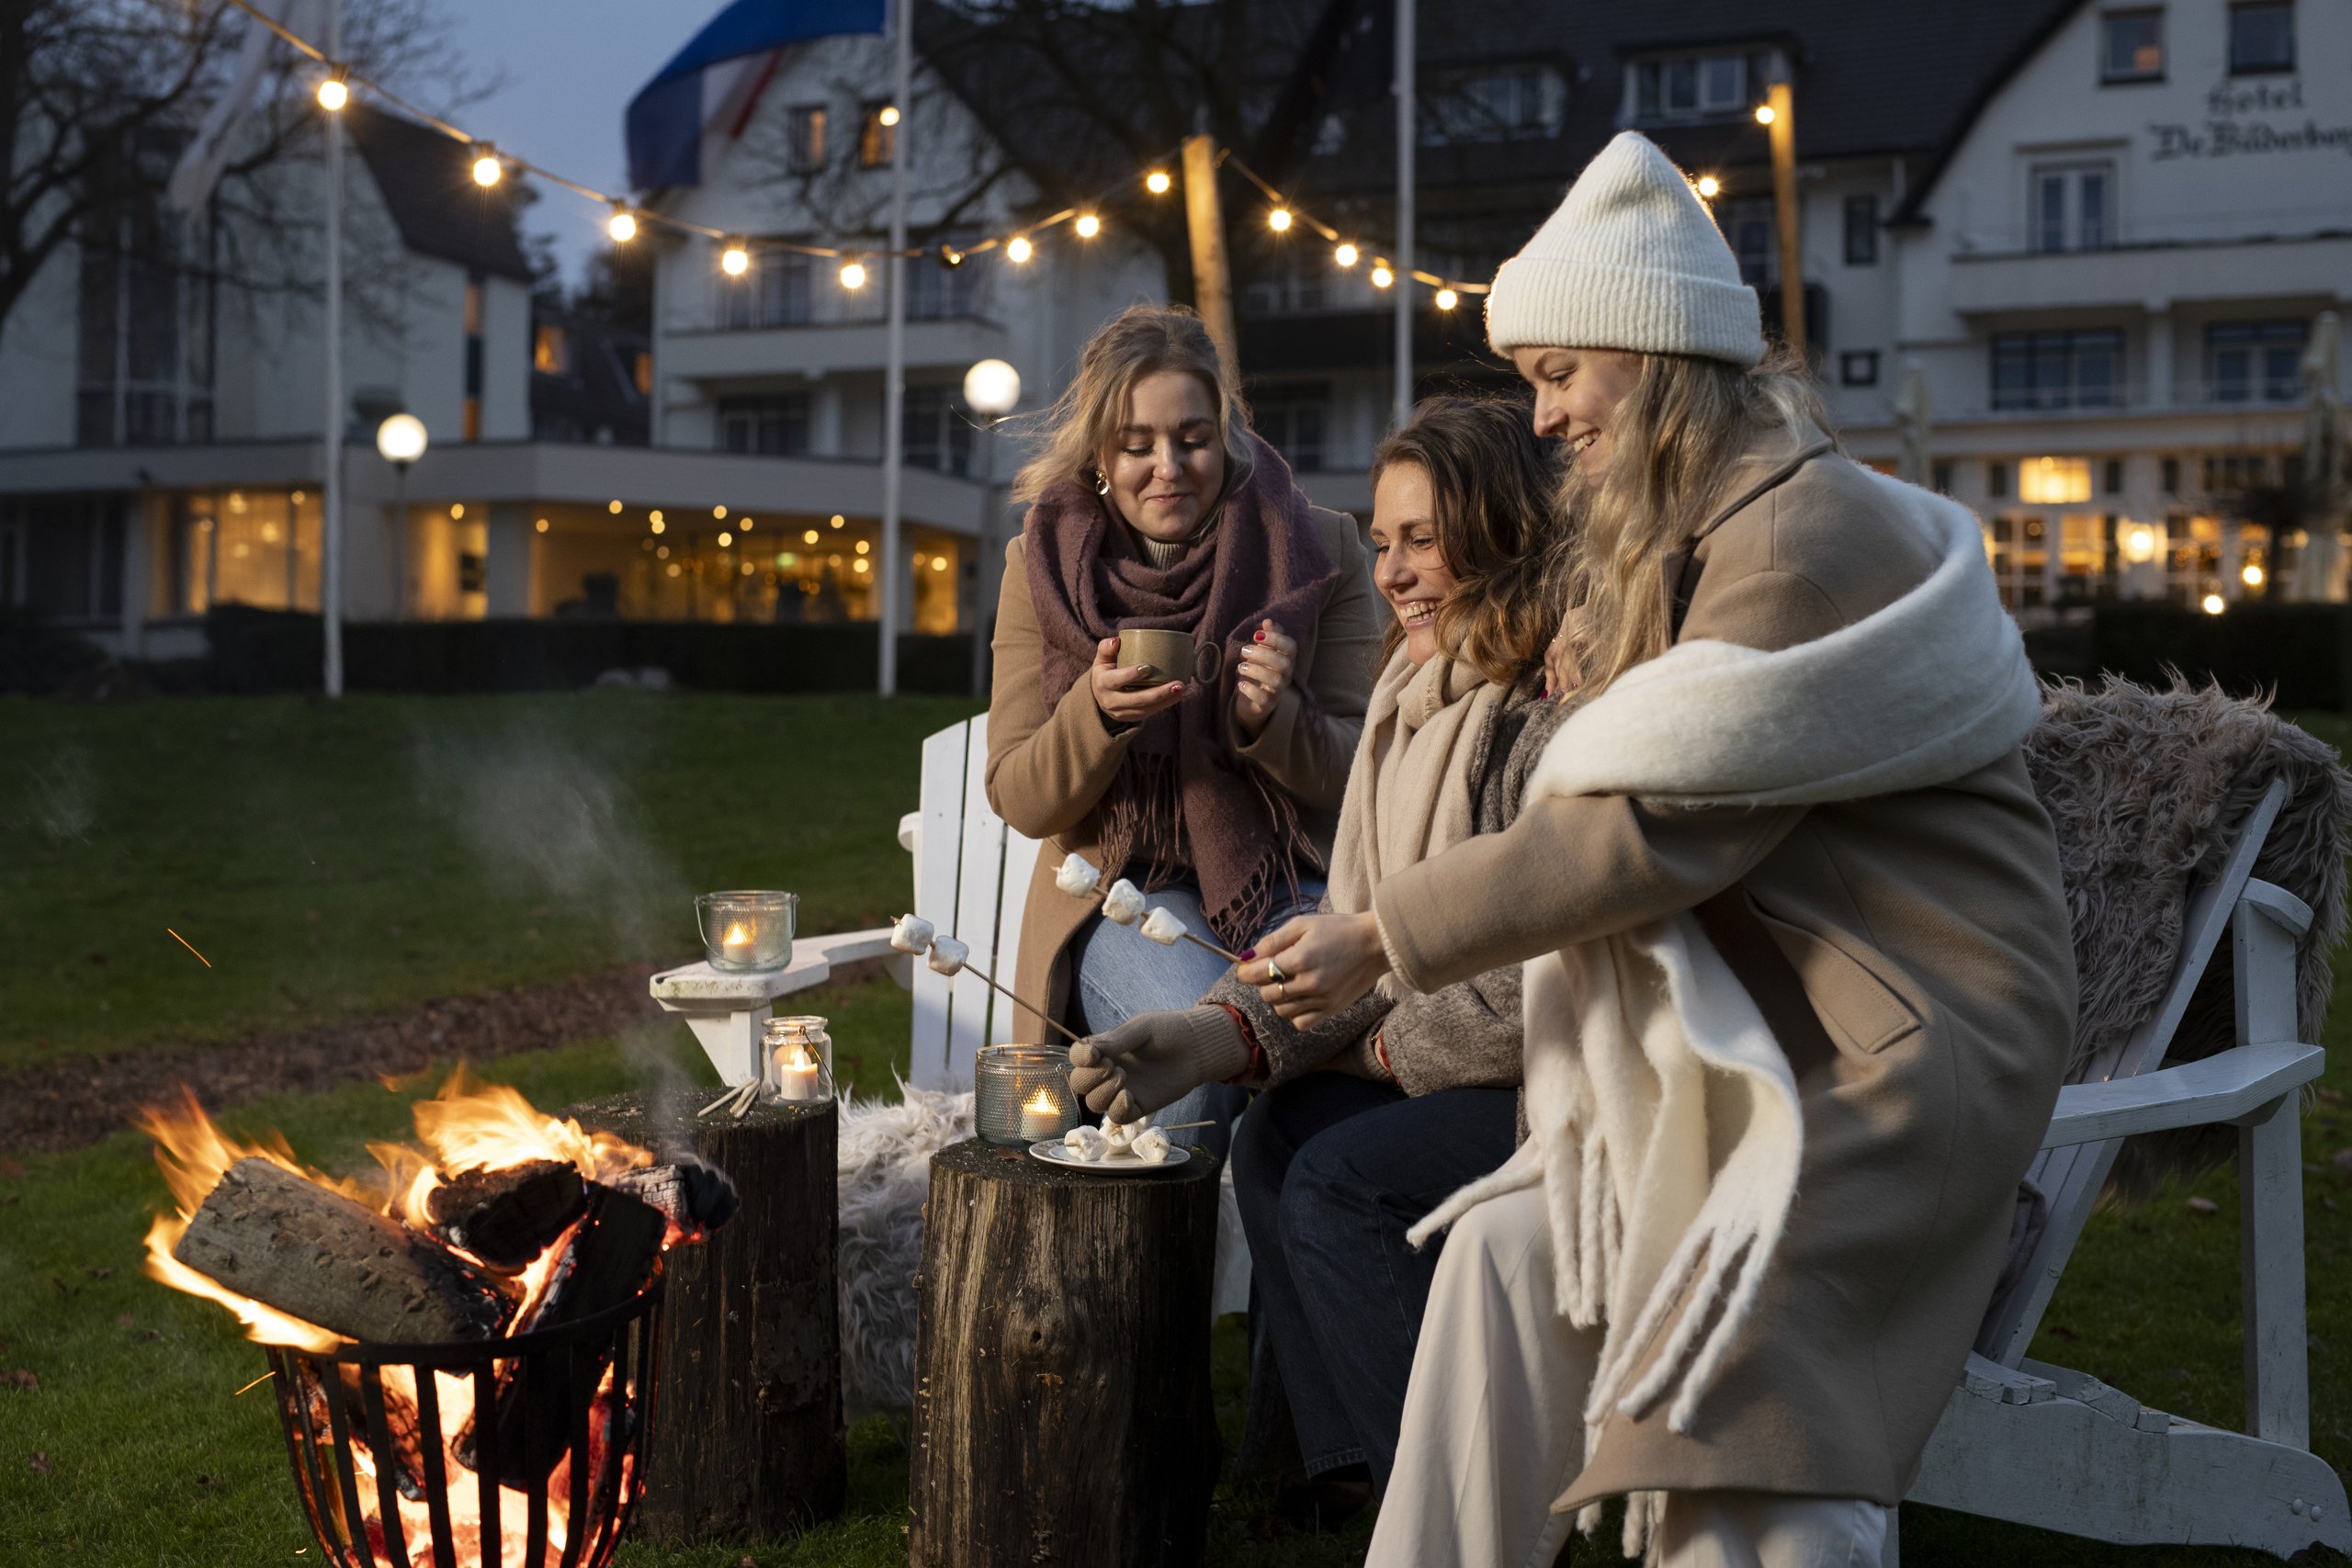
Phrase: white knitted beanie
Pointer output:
(1630, 260)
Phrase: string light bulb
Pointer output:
(1345, 256)
(888, 114)
(488, 170)
(1708, 186)
(1447, 298)
(1766, 113)
(336, 92)
(720, 513)
(853, 274)
(2213, 604)
(734, 261)
(1381, 276)
(2252, 575)
(950, 256)
(1279, 220)
(1018, 250)
(1156, 182)
(1088, 225)
(622, 225)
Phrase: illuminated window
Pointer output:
(2054, 481)
(2131, 46)
(876, 142)
(805, 136)
(473, 419)
(643, 374)
(550, 350)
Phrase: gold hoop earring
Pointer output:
(1102, 483)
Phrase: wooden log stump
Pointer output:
(1062, 1409)
(747, 1438)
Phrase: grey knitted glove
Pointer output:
(1154, 1059)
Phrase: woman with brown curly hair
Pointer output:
(1367, 1121)
(1153, 505)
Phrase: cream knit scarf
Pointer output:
(1664, 1122)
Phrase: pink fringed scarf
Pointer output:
(1182, 801)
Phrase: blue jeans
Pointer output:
(1330, 1171)
(1117, 972)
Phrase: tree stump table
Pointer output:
(747, 1440)
(1062, 1409)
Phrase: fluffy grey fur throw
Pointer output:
(2145, 789)
(884, 1162)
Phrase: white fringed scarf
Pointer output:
(1663, 1118)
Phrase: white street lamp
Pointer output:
(991, 390)
(992, 387)
(399, 441)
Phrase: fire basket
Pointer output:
(517, 1452)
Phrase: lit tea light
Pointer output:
(748, 930)
(797, 1075)
(738, 942)
(1041, 1117)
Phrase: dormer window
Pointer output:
(1693, 86)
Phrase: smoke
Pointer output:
(60, 795)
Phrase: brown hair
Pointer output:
(1491, 487)
(1071, 436)
(1673, 441)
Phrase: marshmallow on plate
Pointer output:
(1124, 903)
(1163, 927)
(947, 954)
(912, 935)
(1087, 1144)
(1151, 1146)
(1077, 876)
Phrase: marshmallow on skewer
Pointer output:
(1087, 1144)
(1124, 903)
(1077, 876)
(912, 935)
(1163, 927)
(947, 954)
(1120, 1135)
(1151, 1146)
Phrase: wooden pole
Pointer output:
(1784, 129)
(1408, 143)
(1211, 277)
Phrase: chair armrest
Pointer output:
(697, 988)
(2221, 1088)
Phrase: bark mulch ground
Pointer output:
(77, 1101)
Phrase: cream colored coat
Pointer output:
(1048, 765)
(1911, 953)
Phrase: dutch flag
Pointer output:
(709, 87)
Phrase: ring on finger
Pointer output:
(1274, 969)
(1282, 991)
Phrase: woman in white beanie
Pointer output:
(1799, 983)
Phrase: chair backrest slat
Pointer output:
(1012, 1023)
(938, 866)
(2072, 1175)
(976, 903)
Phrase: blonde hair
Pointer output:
(1673, 441)
(1490, 493)
(1070, 438)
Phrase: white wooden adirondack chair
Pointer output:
(2044, 1446)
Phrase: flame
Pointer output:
(465, 1127)
(1042, 1104)
(738, 935)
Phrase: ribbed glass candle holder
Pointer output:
(1021, 1094)
(746, 931)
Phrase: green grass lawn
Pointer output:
(135, 1448)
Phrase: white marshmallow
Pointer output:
(1124, 903)
(1119, 1135)
(912, 935)
(947, 954)
(1078, 876)
(1151, 1146)
(1087, 1142)
(1163, 927)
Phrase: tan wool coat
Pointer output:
(1911, 953)
(1048, 765)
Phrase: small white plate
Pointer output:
(1059, 1152)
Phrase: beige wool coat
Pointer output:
(1048, 765)
(1912, 955)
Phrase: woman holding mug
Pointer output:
(1215, 790)
(1801, 986)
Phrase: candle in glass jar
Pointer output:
(796, 1073)
(1041, 1118)
(739, 944)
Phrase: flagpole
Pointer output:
(331, 484)
(894, 376)
(1407, 137)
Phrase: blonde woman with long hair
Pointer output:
(1153, 504)
(1799, 986)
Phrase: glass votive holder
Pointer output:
(747, 931)
(1021, 1094)
(796, 1060)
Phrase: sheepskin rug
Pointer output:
(885, 1169)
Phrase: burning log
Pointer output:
(695, 1196)
(314, 1254)
(507, 1216)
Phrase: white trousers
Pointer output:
(1494, 1432)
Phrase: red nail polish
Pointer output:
(1249, 955)
(1261, 636)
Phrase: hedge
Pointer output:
(2303, 652)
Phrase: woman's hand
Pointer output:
(1315, 965)
(1263, 675)
(1117, 693)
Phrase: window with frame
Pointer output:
(937, 435)
(1747, 227)
(1294, 420)
(550, 349)
(2072, 206)
(1857, 368)
(1693, 86)
(2131, 46)
(1289, 284)
(937, 292)
(2077, 369)
(145, 318)
(777, 290)
(2256, 362)
(772, 424)
(1861, 231)
(1509, 104)
(2262, 37)
(805, 136)
(877, 142)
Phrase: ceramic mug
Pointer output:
(1169, 656)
